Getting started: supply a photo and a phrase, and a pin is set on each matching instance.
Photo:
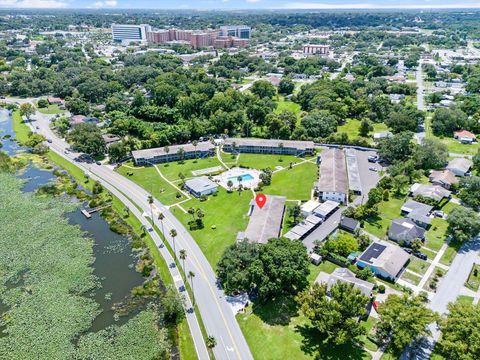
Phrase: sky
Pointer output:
(242, 4)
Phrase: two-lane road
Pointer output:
(216, 313)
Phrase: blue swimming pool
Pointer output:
(245, 177)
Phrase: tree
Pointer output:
(470, 190)
(460, 332)
(295, 212)
(191, 275)
(173, 234)
(286, 86)
(233, 269)
(446, 120)
(42, 103)
(172, 305)
(127, 211)
(195, 144)
(263, 89)
(343, 244)
(150, 203)
(431, 154)
(375, 196)
(117, 151)
(183, 257)
(397, 148)
(416, 244)
(463, 224)
(87, 138)
(365, 128)
(319, 124)
(334, 313)
(211, 342)
(365, 273)
(229, 185)
(403, 319)
(266, 176)
(27, 110)
(282, 267)
(476, 160)
(161, 216)
(181, 154)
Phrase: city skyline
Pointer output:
(243, 4)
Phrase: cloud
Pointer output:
(104, 4)
(37, 4)
(325, 6)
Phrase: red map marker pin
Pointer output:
(260, 199)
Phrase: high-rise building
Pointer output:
(127, 33)
(158, 36)
(238, 31)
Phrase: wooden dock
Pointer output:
(88, 212)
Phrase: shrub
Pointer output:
(381, 289)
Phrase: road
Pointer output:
(216, 313)
(420, 135)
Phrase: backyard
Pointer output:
(352, 126)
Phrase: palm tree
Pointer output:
(191, 275)
(191, 211)
(230, 184)
(144, 229)
(280, 146)
(195, 143)
(127, 211)
(183, 257)
(161, 217)
(173, 234)
(240, 188)
(150, 202)
(211, 341)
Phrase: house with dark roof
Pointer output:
(418, 212)
(384, 259)
(349, 224)
(405, 231)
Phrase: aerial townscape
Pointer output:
(239, 180)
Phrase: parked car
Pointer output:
(373, 169)
(420, 255)
(49, 141)
(407, 250)
(98, 163)
(439, 214)
(372, 158)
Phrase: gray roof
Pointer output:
(301, 145)
(385, 256)
(265, 223)
(405, 229)
(417, 211)
(435, 192)
(333, 172)
(349, 223)
(347, 276)
(325, 208)
(200, 184)
(460, 164)
(354, 182)
(154, 152)
(445, 177)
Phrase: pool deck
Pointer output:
(235, 173)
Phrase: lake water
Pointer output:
(114, 259)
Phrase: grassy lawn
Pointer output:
(418, 265)
(473, 282)
(450, 253)
(150, 180)
(455, 147)
(465, 299)
(430, 254)
(411, 278)
(171, 170)
(352, 126)
(283, 104)
(261, 161)
(295, 183)
(19, 127)
(369, 325)
(388, 211)
(435, 274)
(325, 266)
(227, 212)
(51, 109)
(436, 235)
(277, 331)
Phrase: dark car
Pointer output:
(98, 163)
(409, 251)
(420, 255)
(372, 158)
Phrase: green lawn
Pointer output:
(51, 109)
(261, 161)
(436, 235)
(19, 127)
(295, 183)
(417, 265)
(465, 299)
(171, 170)
(455, 147)
(388, 211)
(450, 253)
(228, 212)
(352, 126)
(277, 331)
(473, 282)
(150, 180)
(411, 278)
(432, 276)
(369, 325)
(283, 104)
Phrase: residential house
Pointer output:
(418, 212)
(464, 136)
(308, 207)
(349, 224)
(384, 259)
(201, 186)
(459, 166)
(325, 209)
(173, 153)
(443, 178)
(404, 231)
(434, 192)
(382, 135)
(344, 275)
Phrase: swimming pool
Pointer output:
(244, 177)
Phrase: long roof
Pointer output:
(388, 257)
(333, 172)
(265, 223)
(300, 145)
(354, 182)
(154, 152)
(347, 276)
(461, 164)
(200, 184)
